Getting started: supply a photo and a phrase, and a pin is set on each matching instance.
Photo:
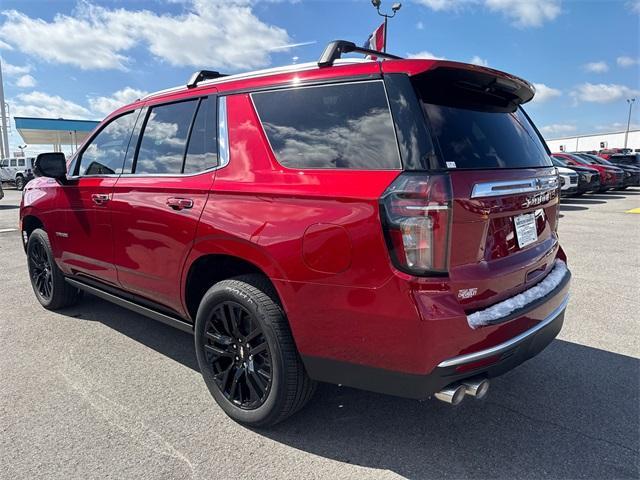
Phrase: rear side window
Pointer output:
(21, 162)
(14, 162)
(105, 154)
(476, 139)
(345, 126)
(164, 138)
(202, 152)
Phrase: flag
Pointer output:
(376, 40)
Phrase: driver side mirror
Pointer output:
(52, 165)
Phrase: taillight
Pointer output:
(416, 216)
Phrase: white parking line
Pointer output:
(6, 230)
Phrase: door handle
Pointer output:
(179, 203)
(100, 198)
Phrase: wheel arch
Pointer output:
(29, 223)
(207, 269)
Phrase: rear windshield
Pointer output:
(474, 139)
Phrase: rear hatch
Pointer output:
(504, 197)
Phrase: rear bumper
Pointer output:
(493, 358)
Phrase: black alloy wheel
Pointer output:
(41, 270)
(238, 352)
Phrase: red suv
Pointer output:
(610, 177)
(390, 226)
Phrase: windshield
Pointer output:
(558, 162)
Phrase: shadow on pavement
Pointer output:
(9, 207)
(573, 411)
(569, 208)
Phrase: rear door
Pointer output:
(504, 186)
(158, 202)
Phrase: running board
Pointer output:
(128, 304)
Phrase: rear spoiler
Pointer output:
(465, 85)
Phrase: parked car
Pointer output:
(307, 223)
(631, 173)
(1, 192)
(16, 171)
(607, 152)
(610, 177)
(568, 181)
(588, 178)
(632, 159)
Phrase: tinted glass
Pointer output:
(164, 138)
(333, 126)
(13, 162)
(483, 139)
(21, 162)
(202, 152)
(105, 153)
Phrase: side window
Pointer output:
(202, 152)
(162, 148)
(14, 162)
(5, 162)
(333, 126)
(21, 162)
(105, 154)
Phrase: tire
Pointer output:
(20, 183)
(235, 369)
(46, 278)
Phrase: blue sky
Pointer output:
(81, 59)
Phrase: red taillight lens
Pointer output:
(416, 216)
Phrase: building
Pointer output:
(596, 141)
(57, 132)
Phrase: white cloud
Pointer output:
(602, 93)
(26, 81)
(634, 5)
(617, 126)
(11, 70)
(526, 13)
(625, 61)
(103, 106)
(596, 67)
(558, 129)
(477, 60)
(40, 104)
(439, 5)
(425, 54)
(206, 34)
(545, 93)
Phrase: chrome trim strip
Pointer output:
(472, 357)
(223, 133)
(513, 187)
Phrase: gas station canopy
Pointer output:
(54, 131)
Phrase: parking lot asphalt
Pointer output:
(96, 391)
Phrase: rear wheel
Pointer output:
(46, 278)
(20, 183)
(247, 355)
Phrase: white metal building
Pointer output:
(596, 141)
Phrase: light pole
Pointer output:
(626, 134)
(394, 8)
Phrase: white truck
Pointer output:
(16, 171)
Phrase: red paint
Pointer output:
(316, 234)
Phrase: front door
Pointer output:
(85, 238)
(156, 207)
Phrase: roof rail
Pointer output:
(335, 49)
(202, 75)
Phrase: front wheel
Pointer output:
(247, 355)
(48, 282)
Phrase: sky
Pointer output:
(84, 58)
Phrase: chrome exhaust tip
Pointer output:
(476, 387)
(453, 394)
